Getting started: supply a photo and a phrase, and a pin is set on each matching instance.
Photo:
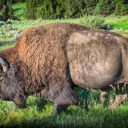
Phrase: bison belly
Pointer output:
(93, 64)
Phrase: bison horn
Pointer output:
(4, 64)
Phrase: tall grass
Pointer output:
(39, 114)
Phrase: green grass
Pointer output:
(39, 114)
(118, 22)
(6, 44)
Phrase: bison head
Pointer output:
(11, 85)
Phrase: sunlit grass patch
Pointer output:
(120, 22)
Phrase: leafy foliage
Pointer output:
(46, 11)
(121, 7)
(7, 31)
(50, 9)
(18, 10)
(93, 21)
(6, 10)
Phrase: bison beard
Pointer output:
(56, 57)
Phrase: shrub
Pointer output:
(6, 10)
(103, 7)
(93, 21)
(8, 32)
(74, 9)
(30, 9)
(89, 6)
(49, 9)
(46, 11)
(121, 8)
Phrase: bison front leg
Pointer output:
(66, 97)
(62, 96)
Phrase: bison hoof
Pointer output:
(59, 108)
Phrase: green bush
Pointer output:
(7, 31)
(74, 9)
(103, 7)
(6, 10)
(49, 9)
(30, 10)
(46, 10)
(89, 5)
(106, 7)
(121, 8)
(93, 21)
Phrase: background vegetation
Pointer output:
(58, 9)
(49, 9)
(18, 15)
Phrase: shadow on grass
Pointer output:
(7, 42)
(38, 102)
(97, 118)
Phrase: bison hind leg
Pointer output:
(121, 95)
(118, 100)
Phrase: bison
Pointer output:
(56, 57)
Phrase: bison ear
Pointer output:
(4, 64)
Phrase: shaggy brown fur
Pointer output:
(40, 54)
(55, 56)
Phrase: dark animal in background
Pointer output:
(56, 57)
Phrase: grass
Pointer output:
(39, 114)
(118, 22)
(6, 44)
(119, 25)
(30, 23)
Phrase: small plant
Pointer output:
(7, 31)
(93, 21)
